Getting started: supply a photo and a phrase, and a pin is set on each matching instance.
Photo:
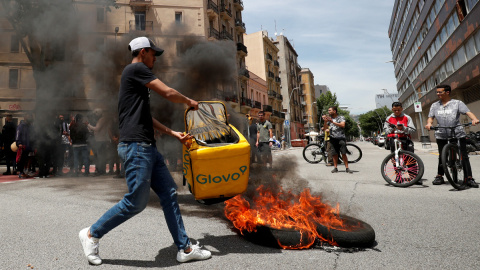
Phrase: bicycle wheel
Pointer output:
(312, 153)
(409, 171)
(354, 153)
(452, 166)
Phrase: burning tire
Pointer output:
(355, 234)
(277, 238)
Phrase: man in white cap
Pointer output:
(144, 165)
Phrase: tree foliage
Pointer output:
(373, 121)
(328, 100)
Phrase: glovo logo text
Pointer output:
(186, 162)
(208, 179)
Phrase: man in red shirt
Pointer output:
(401, 124)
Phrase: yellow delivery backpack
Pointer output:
(216, 164)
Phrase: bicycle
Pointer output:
(317, 151)
(401, 168)
(452, 161)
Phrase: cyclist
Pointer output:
(404, 127)
(447, 112)
(336, 124)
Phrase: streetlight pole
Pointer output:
(414, 91)
(380, 121)
(311, 114)
(287, 133)
(383, 110)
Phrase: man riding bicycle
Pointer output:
(447, 112)
(401, 124)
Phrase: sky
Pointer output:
(345, 44)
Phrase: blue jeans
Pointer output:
(144, 169)
(81, 157)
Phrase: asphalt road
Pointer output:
(420, 227)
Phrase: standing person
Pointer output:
(447, 112)
(8, 137)
(102, 140)
(336, 124)
(403, 125)
(264, 140)
(24, 143)
(252, 139)
(78, 135)
(144, 165)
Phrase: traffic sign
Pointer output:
(287, 123)
(418, 106)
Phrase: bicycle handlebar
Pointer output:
(465, 125)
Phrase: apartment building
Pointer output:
(262, 60)
(214, 28)
(436, 42)
(289, 73)
(308, 100)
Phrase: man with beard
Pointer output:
(336, 124)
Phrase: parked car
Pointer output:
(381, 141)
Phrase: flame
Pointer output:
(282, 209)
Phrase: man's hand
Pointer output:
(474, 122)
(184, 138)
(192, 104)
(429, 126)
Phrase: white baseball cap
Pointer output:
(144, 42)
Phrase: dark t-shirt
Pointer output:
(135, 119)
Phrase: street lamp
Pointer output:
(413, 87)
(287, 130)
(380, 121)
(383, 110)
(311, 114)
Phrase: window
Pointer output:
(443, 35)
(179, 47)
(449, 66)
(470, 49)
(477, 40)
(100, 15)
(450, 26)
(140, 20)
(459, 58)
(178, 17)
(470, 4)
(14, 44)
(13, 79)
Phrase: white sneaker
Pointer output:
(90, 247)
(197, 254)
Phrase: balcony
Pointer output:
(240, 26)
(271, 75)
(146, 26)
(140, 3)
(279, 96)
(272, 94)
(278, 80)
(276, 63)
(282, 115)
(238, 4)
(225, 13)
(213, 33)
(243, 73)
(274, 115)
(269, 57)
(257, 105)
(245, 105)
(267, 108)
(212, 9)
(242, 49)
(225, 35)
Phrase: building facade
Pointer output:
(436, 42)
(386, 99)
(289, 73)
(102, 35)
(262, 59)
(308, 100)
